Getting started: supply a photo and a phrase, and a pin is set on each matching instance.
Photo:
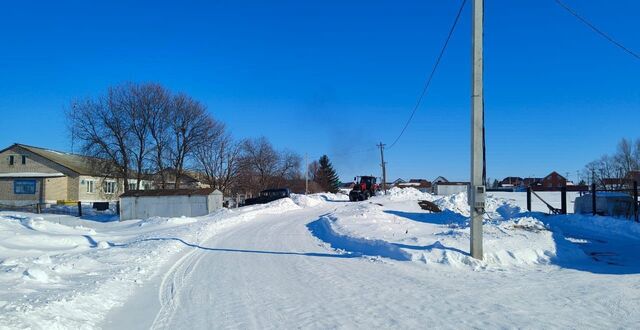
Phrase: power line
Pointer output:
(433, 71)
(594, 28)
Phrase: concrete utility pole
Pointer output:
(384, 167)
(306, 173)
(477, 188)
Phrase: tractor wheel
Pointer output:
(366, 195)
(360, 197)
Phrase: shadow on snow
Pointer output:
(446, 217)
(307, 254)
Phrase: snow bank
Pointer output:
(323, 229)
(313, 200)
(395, 223)
(395, 194)
(59, 272)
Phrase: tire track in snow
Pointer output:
(172, 285)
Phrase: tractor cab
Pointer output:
(363, 188)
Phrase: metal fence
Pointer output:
(78, 209)
(593, 191)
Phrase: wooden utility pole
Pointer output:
(384, 167)
(306, 173)
(477, 188)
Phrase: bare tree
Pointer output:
(190, 127)
(219, 161)
(616, 166)
(263, 167)
(101, 128)
(313, 170)
(158, 123)
(259, 162)
(138, 127)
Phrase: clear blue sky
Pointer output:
(330, 77)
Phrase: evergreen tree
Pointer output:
(326, 176)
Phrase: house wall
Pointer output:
(7, 196)
(554, 180)
(450, 189)
(73, 188)
(214, 201)
(34, 163)
(55, 189)
(98, 194)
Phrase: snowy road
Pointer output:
(272, 273)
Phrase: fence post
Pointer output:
(38, 208)
(635, 199)
(529, 199)
(118, 208)
(563, 200)
(79, 208)
(593, 198)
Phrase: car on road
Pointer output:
(268, 195)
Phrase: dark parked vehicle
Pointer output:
(268, 195)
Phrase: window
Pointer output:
(109, 187)
(24, 159)
(132, 186)
(24, 187)
(90, 186)
(11, 160)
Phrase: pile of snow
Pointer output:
(313, 200)
(394, 226)
(403, 194)
(63, 272)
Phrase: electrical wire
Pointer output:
(594, 28)
(433, 71)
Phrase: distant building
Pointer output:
(511, 181)
(449, 188)
(186, 180)
(439, 179)
(420, 184)
(633, 176)
(613, 183)
(554, 180)
(532, 182)
(398, 180)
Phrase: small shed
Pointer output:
(450, 188)
(142, 204)
(613, 204)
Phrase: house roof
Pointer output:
(452, 183)
(556, 173)
(511, 179)
(76, 163)
(440, 179)
(168, 192)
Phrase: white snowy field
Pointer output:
(322, 262)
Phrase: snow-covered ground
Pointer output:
(320, 261)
